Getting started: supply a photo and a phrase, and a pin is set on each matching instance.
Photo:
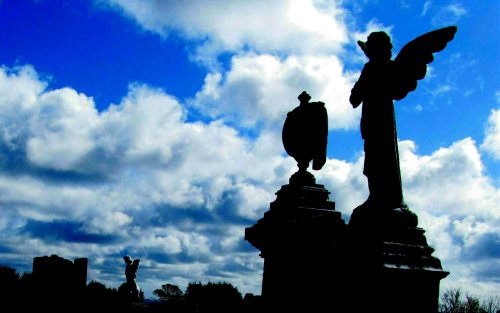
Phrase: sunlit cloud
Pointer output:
(448, 14)
(298, 27)
(491, 143)
(143, 177)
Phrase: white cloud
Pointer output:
(448, 14)
(450, 180)
(456, 202)
(373, 26)
(427, 5)
(264, 26)
(440, 90)
(457, 205)
(345, 181)
(19, 89)
(61, 129)
(491, 143)
(176, 192)
(261, 89)
(147, 165)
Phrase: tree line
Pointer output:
(457, 301)
(21, 293)
(18, 292)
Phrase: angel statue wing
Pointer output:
(411, 62)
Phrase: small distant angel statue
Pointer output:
(130, 273)
(383, 80)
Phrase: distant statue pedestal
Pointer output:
(298, 239)
(390, 264)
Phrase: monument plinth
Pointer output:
(298, 238)
(300, 234)
(390, 262)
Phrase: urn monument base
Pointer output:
(298, 239)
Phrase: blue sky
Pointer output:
(153, 128)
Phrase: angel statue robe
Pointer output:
(378, 130)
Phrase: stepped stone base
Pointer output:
(298, 239)
(314, 262)
(390, 262)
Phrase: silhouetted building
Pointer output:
(55, 277)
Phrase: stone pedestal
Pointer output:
(299, 238)
(389, 263)
(313, 262)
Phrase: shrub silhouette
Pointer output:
(213, 297)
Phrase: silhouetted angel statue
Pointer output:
(130, 274)
(383, 80)
(305, 133)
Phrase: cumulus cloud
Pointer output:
(19, 89)
(171, 183)
(372, 26)
(346, 183)
(462, 171)
(260, 89)
(447, 14)
(266, 26)
(178, 194)
(491, 143)
(457, 204)
(60, 129)
(139, 178)
(276, 50)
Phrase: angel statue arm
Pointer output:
(357, 92)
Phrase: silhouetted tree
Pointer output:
(454, 301)
(491, 305)
(8, 275)
(471, 304)
(9, 285)
(213, 297)
(26, 285)
(99, 293)
(450, 301)
(169, 293)
(100, 298)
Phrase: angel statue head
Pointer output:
(377, 47)
(304, 98)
